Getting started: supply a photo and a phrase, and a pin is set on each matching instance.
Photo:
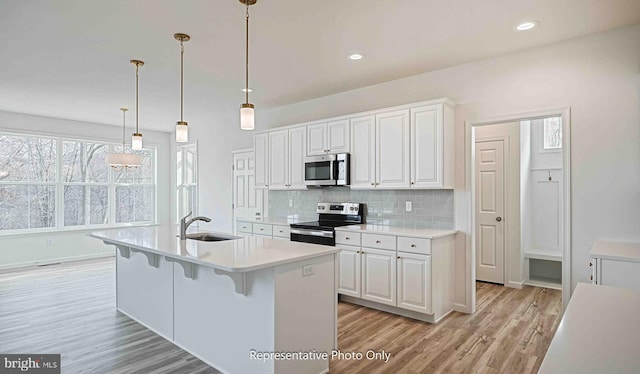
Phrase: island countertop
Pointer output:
(244, 254)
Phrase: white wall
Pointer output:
(597, 76)
(23, 250)
(216, 140)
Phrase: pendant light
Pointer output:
(136, 138)
(247, 115)
(123, 160)
(182, 131)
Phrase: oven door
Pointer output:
(313, 236)
(320, 171)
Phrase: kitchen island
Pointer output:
(230, 302)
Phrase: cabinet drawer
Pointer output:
(348, 238)
(245, 227)
(414, 245)
(281, 231)
(262, 229)
(379, 241)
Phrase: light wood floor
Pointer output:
(70, 309)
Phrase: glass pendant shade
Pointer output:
(136, 141)
(247, 117)
(182, 132)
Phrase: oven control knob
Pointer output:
(352, 208)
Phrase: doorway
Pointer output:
(248, 202)
(494, 254)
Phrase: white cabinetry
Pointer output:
(379, 275)
(616, 264)
(432, 146)
(363, 152)
(392, 149)
(349, 274)
(414, 282)
(331, 137)
(380, 151)
(286, 158)
(261, 151)
(410, 276)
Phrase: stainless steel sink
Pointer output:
(208, 237)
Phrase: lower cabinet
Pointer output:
(379, 276)
(266, 230)
(416, 285)
(414, 282)
(349, 273)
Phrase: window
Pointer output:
(552, 133)
(56, 183)
(187, 179)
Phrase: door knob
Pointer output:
(499, 219)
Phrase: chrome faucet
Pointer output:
(185, 223)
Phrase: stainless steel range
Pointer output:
(330, 216)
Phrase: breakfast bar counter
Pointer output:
(230, 301)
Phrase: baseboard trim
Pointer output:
(20, 265)
(462, 308)
(518, 285)
(392, 309)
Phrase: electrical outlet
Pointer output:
(307, 270)
(290, 202)
(49, 242)
(407, 206)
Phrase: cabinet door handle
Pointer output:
(398, 257)
(590, 277)
(261, 229)
(499, 219)
(346, 238)
(373, 184)
(413, 182)
(413, 245)
(377, 241)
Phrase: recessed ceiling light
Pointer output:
(356, 56)
(524, 26)
(247, 90)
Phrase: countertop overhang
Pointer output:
(244, 254)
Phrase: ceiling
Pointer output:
(70, 59)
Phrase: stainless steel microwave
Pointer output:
(327, 170)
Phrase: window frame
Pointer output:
(60, 184)
(542, 137)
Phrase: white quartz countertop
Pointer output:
(599, 333)
(244, 254)
(401, 231)
(616, 251)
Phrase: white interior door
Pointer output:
(489, 201)
(247, 200)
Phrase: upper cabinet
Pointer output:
(261, 152)
(405, 147)
(286, 158)
(380, 151)
(432, 146)
(392, 149)
(331, 137)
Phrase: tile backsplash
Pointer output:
(430, 208)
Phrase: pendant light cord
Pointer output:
(123, 130)
(137, 66)
(247, 56)
(181, 79)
